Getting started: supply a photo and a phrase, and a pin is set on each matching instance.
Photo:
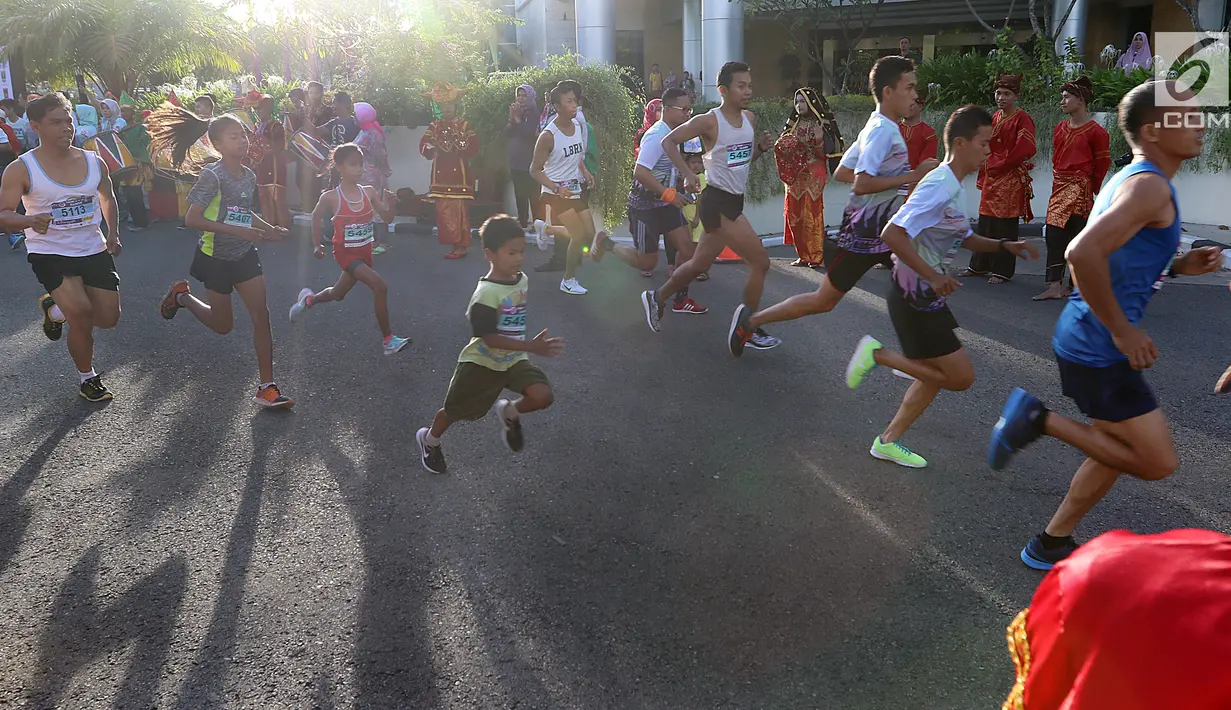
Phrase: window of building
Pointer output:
(630, 50)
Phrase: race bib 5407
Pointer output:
(238, 216)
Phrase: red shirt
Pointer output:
(920, 142)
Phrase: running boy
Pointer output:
(221, 205)
(882, 174)
(354, 230)
(497, 357)
(1128, 245)
(924, 236)
(65, 246)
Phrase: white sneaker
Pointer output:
(300, 309)
(571, 286)
(540, 234)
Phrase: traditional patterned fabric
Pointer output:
(818, 109)
(802, 158)
(453, 222)
(921, 142)
(1005, 177)
(804, 213)
(450, 145)
(1081, 157)
(1130, 622)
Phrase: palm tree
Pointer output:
(121, 43)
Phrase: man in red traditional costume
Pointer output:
(1130, 622)
(449, 143)
(1081, 156)
(921, 142)
(1005, 182)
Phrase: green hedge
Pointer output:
(609, 106)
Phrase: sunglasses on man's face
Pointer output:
(685, 109)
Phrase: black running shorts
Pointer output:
(96, 270)
(923, 334)
(845, 268)
(714, 204)
(221, 275)
(474, 388)
(648, 225)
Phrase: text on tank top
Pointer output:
(74, 209)
(354, 224)
(563, 165)
(728, 160)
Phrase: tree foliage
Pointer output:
(804, 21)
(120, 43)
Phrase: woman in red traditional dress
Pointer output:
(449, 143)
(1129, 622)
(1081, 157)
(1005, 182)
(809, 141)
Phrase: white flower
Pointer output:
(933, 86)
(1109, 51)
(992, 54)
(189, 82)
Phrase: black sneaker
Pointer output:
(512, 428)
(653, 309)
(52, 328)
(94, 390)
(550, 265)
(740, 331)
(433, 457)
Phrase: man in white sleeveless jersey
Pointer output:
(728, 134)
(67, 194)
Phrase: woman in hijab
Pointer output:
(810, 140)
(653, 112)
(87, 123)
(111, 119)
(376, 170)
(1137, 55)
(522, 131)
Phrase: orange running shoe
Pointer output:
(270, 398)
(170, 303)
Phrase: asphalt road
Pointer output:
(683, 530)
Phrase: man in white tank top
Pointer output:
(558, 166)
(728, 134)
(67, 193)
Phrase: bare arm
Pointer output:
(866, 184)
(539, 345)
(704, 127)
(383, 208)
(844, 174)
(542, 149)
(323, 206)
(111, 211)
(16, 182)
(898, 240)
(195, 219)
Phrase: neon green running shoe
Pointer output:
(863, 361)
(895, 452)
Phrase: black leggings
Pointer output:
(525, 191)
(1002, 264)
(1058, 239)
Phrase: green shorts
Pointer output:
(474, 388)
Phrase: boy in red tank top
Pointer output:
(354, 208)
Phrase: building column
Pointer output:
(596, 30)
(692, 40)
(722, 40)
(1074, 27)
(1210, 14)
(828, 47)
(929, 47)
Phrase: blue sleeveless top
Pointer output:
(1135, 268)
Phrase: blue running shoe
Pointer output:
(15, 240)
(1035, 556)
(1017, 427)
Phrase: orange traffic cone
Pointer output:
(728, 256)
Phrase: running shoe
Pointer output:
(170, 304)
(52, 328)
(689, 306)
(300, 309)
(570, 286)
(15, 240)
(761, 340)
(378, 250)
(740, 330)
(270, 398)
(512, 435)
(540, 234)
(94, 390)
(653, 309)
(863, 361)
(1018, 426)
(1223, 386)
(1035, 556)
(394, 345)
(596, 253)
(903, 375)
(895, 452)
(433, 457)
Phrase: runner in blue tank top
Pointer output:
(1129, 244)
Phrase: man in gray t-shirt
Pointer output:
(226, 198)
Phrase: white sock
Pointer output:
(510, 412)
(57, 314)
(263, 385)
(431, 440)
(87, 375)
